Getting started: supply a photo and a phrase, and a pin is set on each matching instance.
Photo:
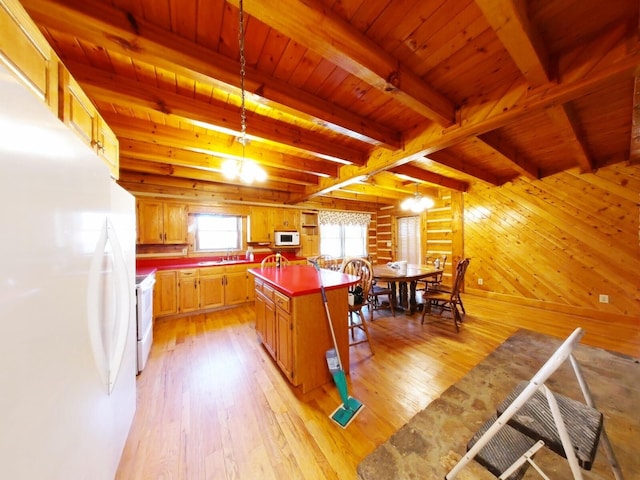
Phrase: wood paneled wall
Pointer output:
(559, 243)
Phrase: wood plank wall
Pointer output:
(559, 243)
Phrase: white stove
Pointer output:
(144, 316)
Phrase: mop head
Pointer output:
(345, 413)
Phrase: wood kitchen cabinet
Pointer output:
(284, 334)
(165, 293)
(211, 287)
(285, 219)
(188, 291)
(161, 222)
(25, 50)
(259, 226)
(79, 113)
(236, 286)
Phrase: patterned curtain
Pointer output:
(326, 217)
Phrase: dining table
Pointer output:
(403, 283)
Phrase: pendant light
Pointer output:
(245, 169)
(417, 203)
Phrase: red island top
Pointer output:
(296, 280)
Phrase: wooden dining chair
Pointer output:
(447, 300)
(361, 268)
(271, 261)
(380, 291)
(329, 263)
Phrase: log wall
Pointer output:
(559, 243)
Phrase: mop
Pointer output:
(345, 413)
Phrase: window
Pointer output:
(409, 239)
(342, 241)
(218, 232)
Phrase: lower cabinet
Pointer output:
(189, 292)
(165, 293)
(193, 289)
(274, 326)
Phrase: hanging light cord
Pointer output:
(243, 62)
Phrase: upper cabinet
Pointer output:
(161, 222)
(25, 51)
(83, 118)
(285, 219)
(259, 228)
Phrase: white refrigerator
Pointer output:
(67, 299)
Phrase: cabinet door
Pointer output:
(310, 245)
(25, 51)
(78, 112)
(235, 288)
(212, 290)
(269, 339)
(150, 222)
(107, 146)
(260, 316)
(175, 223)
(188, 291)
(259, 227)
(165, 293)
(284, 342)
(286, 219)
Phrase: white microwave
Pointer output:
(286, 239)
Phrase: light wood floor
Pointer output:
(212, 404)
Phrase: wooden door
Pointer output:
(259, 226)
(189, 299)
(270, 327)
(150, 222)
(175, 223)
(211, 287)
(165, 293)
(260, 308)
(284, 342)
(235, 288)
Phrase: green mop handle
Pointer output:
(326, 309)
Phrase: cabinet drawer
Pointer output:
(268, 291)
(258, 284)
(282, 301)
(188, 273)
(205, 271)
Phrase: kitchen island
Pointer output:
(292, 324)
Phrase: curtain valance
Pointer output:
(326, 217)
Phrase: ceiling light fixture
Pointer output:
(417, 203)
(245, 169)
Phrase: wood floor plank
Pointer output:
(213, 405)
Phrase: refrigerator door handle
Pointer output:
(108, 327)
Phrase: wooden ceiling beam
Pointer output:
(312, 24)
(175, 156)
(563, 120)
(119, 31)
(430, 177)
(198, 190)
(145, 98)
(509, 19)
(198, 174)
(616, 59)
(503, 147)
(215, 144)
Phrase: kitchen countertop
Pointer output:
(146, 266)
(297, 280)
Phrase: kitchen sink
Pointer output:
(218, 262)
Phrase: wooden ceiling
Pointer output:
(354, 100)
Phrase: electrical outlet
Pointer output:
(604, 298)
(388, 244)
(480, 281)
